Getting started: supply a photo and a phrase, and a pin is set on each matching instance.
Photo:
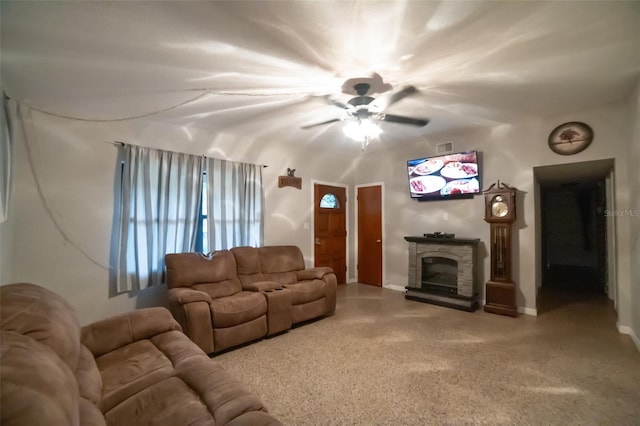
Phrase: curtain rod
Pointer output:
(118, 143)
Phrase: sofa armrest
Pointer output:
(182, 295)
(314, 273)
(112, 333)
(262, 286)
(192, 309)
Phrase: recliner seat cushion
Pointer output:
(306, 291)
(130, 369)
(237, 309)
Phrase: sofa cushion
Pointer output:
(167, 402)
(199, 391)
(107, 335)
(88, 376)
(247, 260)
(282, 277)
(277, 259)
(214, 274)
(306, 291)
(237, 309)
(131, 369)
(38, 388)
(90, 414)
(225, 396)
(314, 273)
(44, 316)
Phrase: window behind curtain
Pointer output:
(172, 202)
(235, 201)
(202, 238)
(159, 205)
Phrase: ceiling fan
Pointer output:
(363, 107)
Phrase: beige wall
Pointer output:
(634, 196)
(6, 240)
(509, 153)
(76, 170)
(5, 231)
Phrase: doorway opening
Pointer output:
(575, 235)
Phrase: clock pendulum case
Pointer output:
(500, 213)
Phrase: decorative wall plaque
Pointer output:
(290, 180)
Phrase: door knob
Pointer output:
(378, 241)
(318, 241)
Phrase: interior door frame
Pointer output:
(355, 228)
(312, 228)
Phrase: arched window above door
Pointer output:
(329, 201)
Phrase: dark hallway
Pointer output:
(566, 285)
(574, 244)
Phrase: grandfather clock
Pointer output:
(500, 213)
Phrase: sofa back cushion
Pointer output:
(280, 263)
(214, 273)
(248, 264)
(38, 387)
(43, 316)
(270, 263)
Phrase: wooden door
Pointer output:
(330, 229)
(370, 235)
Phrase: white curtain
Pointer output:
(158, 212)
(6, 162)
(235, 203)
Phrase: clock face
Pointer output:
(499, 208)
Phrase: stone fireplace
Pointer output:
(443, 271)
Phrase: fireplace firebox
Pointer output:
(442, 271)
(440, 275)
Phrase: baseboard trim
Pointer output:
(623, 329)
(394, 287)
(528, 311)
(521, 310)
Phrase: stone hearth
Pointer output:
(451, 280)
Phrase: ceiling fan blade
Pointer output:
(384, 101)
(308, 126)
(336, 103)
(403, 120)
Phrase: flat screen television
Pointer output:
(444, 177)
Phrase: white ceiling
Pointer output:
(253, 67)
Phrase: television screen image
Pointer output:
(445, 176)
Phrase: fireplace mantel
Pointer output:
(460, 292)
(442, 240)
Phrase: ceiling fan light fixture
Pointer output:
(362, 131)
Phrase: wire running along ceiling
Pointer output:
(262, 67)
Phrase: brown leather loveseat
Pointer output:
(133, 369)
(230, 297)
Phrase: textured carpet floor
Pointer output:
(384, 360)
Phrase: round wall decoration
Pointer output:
(570, 138)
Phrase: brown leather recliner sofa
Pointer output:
(230, 297)
(133, 369)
